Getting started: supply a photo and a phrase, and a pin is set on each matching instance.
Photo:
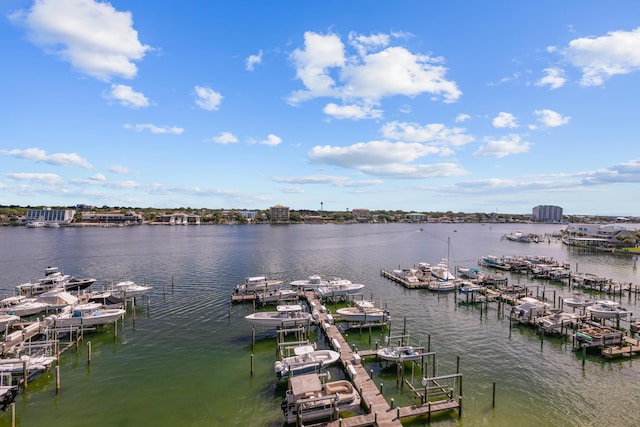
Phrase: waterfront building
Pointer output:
(114, 218)
(416, 217)
(547, 213)
(48, 215)
(279, 213)
(610, 235)
(178, 218)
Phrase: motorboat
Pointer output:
(338, 287)
(578, 300)
(363, 311)
(468, 272)
(312, 283)
(554, 323)
(441, 271)
(106, 298)
(529, 309)
(401, 353)
(53, 279)
(607, 309)
(57, 299)
(467, 287)
(24, 308)
(34, 364)
(308, 399)
(8, 395)
(305, 359)
(7, 319)
(128, 289)
(276, 296)
(255, 284)
(81, 315)
(287, 314)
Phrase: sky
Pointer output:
(465, 106)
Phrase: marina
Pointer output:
(214, 351)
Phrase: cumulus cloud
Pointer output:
(354, 112)
(155, 129)
(505, 120)
(94, 37)
(334, 180)
(40, 156)
(207, 98)
(120, 170)
(367, 73)
(550, 118)
(554, 78)
(127, 97)
(462, 118)
(253, 60)
(225, 138)
(509, 145)
(39, 178)
(599, 58)
(272, 140)
(432, 133)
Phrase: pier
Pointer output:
(380, 412)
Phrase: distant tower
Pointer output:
(321, 203)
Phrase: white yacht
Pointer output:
(289, 314)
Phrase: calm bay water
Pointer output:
(185, 358)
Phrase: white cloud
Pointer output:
(550, 118)
(225, 138)
(41, 156)
(511, 144)
(253, 60)
(40, 178)
(354, 112)
(120, 170)
(127, 96)
(272, 140)
(554, 78)
(373, 72)
(602, 57)
(505, 120)
(98, 177)
(207, 98)
(334, 180)
(155, 129)
(435, 134)
(93, 36)
(462, 118)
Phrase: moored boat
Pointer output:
(308, 399)
(311, 283)
(255, 284)
(288, 314)
(80, 315)
(363, 311)
(306, 358)
(607, 309)
(338, 288)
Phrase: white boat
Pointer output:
(401, 353)
(338, 288)
(80, 315)
(257, 284)
(128, 289)
(363, 311)
(529, 308)
(607, 309)
(441, 271)
(7, 319)
(467, 287)
(106, 298)
(555, 322)
(518, 236)
(288, 314)
(443, 285)
(34, 364)
(304, 360)
(277, 296)
(23, 307)
(578, 300)
(57, 299)
(467, 272)
(308, 399)
(54, 279)
(312, 283)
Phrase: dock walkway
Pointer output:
(380, 413)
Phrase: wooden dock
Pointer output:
(380, 412)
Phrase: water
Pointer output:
(185, 359)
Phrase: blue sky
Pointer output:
(483, 106)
